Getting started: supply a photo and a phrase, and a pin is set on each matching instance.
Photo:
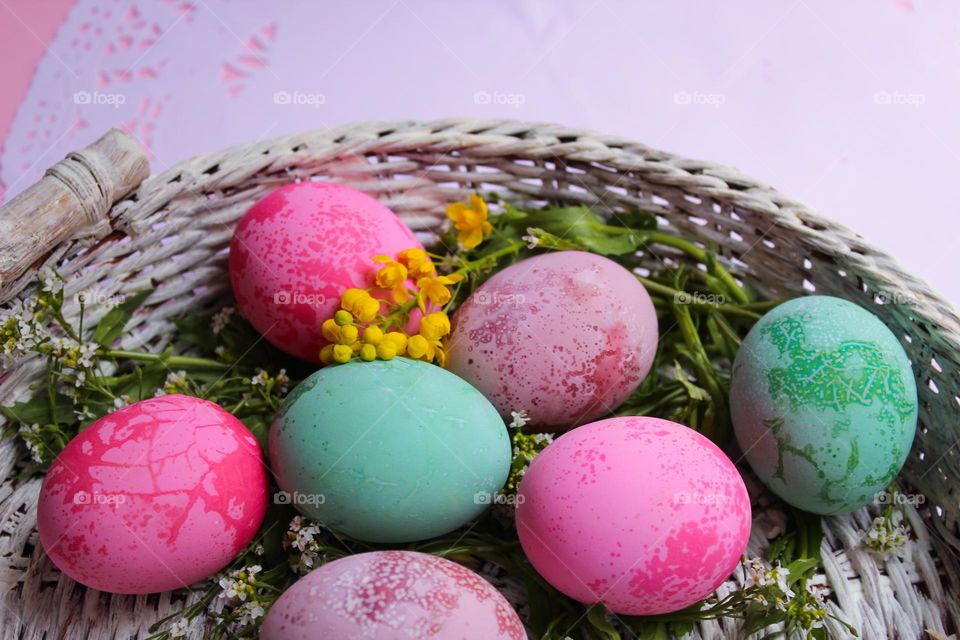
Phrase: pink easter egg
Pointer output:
(382, 595)
(644, 515)
(298, 249)
(564, 336)
(153, 497)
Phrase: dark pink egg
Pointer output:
(153, 497)
(298, 249)
(644, 515)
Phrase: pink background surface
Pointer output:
(848, 106)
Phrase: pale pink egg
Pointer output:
(564, 336)
(385, 595)
(641, 514)
(298, 249)
(153, 497)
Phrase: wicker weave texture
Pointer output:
(175, 228)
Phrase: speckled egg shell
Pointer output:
(392, 595)
(642, 514)
(389, 451)
(298, 249)
(565, 336)
(153, 497)
(824, 403)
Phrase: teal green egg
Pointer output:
(824, 404)
(389, 451)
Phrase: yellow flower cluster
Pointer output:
(369, 327)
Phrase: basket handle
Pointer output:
(71, 201)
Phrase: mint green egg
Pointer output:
(389, 451)
(824, 404)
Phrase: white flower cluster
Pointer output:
(280, 382)
(176, 382)
(31, 436)
(301, 540)
(887, 534)
(759, 575)
(238, 584)
(221, 319)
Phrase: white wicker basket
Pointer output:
(176, 226)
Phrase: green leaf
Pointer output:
(39, 410)
(111, 325)
(597, 617)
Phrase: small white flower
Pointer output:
(249, 613)
(81, 379)
(261, 379)
(87, 354)
(221, 319)
(219, 351)
(121, 402)
(259, 550)
(531, 239)
(179, 628)
(232, 589)
(52, 284)
(520, 419)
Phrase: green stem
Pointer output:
(670, 293)
(473, 265)
(182, 362)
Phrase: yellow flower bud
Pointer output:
(342, 353)
(330, 330)
(399, 341)
(348, 334)
(326, 354)
(342, 317)
(369, 309)
(417, 347)
(373, 335)
(434, 326)
(386, 350)
(368, 352)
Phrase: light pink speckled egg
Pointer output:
(564, 336)
(153, 497)
(642, 514)
(392, 595)
(298, 249)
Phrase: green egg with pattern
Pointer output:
(824, 404)
(389, 451)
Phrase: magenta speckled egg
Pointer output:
(153, 497)
(564, 336)
(641, 514)
(298, 249)
(386, 595)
